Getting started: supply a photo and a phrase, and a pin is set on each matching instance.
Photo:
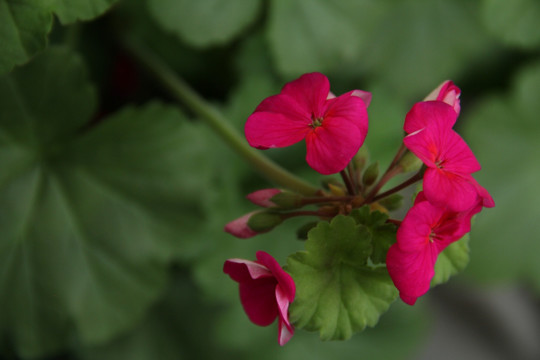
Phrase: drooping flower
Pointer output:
(450, 162)
(334, 127)
(266, 291)
(424, 233)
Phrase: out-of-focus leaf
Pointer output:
(503, 132)
(514, 22)
(337, 292)
(24, 25)
(317, 35)
(205, 22)
(418, 44)
(89, 218)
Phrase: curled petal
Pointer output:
(285, 332)
(285, 281)
(446, 92)
(241, 270)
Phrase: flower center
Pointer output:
(315, 121)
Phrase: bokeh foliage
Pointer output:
(113, 196)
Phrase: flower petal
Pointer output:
(430, 113)
(309, 91)
(241, 270)
(445, 189)
(446, 92)
(259, 300)
(348, 107)
(285, 332)
(266, 130)
(285, 281)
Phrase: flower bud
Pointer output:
(287, 200)
(264, 221)
(446, 92)
(409, 162)
(371, 174)
(253, 223)
(392, 202)
(263, 197)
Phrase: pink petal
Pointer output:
(285, 281)
(455, 154)
(259, 300)
(285, 332)
(485, 198)
(310, 92)
(429, 113)
(445, 189)
(364, 95)
(240, 228)
(283, 302)
(241, 270)
(266, 130)
(329, 149)
(411, 272)
(348, 107)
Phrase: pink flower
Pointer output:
(334, 127)
(450, 162)
(424, 233)
(446, 92)
(266, 291)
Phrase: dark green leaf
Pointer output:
(89, 218)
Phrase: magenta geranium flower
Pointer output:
(334, 127)
(450, 162)
(266, 291)
(424, 233)
(446, 92)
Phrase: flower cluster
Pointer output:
(334, 128)
(451, 196)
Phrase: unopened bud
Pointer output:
(287, 200)
(409, 162)
(446, 92)
(263, 197)
(371, 174)
(264, 221)
(392, 202)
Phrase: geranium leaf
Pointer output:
(451, 261)
(204, 22)
(89, 217)
(383, 234)
(24, 25)
(337, 292)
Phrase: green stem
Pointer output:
(417, 177)
(183, 92)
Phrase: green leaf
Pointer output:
(383, 234)
(89, 218)
(451, 261)
(514, 22)
(24, 25)
(204, 23)
(317, 35)
(337, 293)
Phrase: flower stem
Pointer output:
(182, 92)
(416, 177)
(348, 182)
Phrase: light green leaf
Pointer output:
(451, 261)
(383, 234)
(514, 22)
(204, 23)
(89, 218)
(337, 293)
(24, 25)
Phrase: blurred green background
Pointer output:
(113, 196)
